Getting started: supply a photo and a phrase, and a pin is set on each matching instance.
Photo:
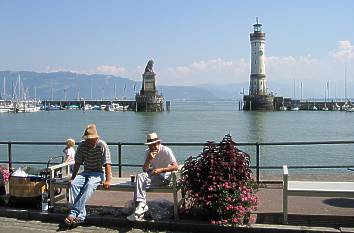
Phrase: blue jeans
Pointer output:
(81, 190)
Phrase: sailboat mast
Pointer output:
(345, 82)
(335, 91)
(91, 90)
(115, 91)
(328, 90)
(19, 86)
(4, 88)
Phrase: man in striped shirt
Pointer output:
(94, 154)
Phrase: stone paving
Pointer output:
(303, 211)
(13, 225)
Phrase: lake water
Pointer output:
(188, 122)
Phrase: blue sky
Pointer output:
(191, 42)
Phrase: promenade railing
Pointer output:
(256, 165)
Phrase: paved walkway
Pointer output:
(13, 225)
(303, 211)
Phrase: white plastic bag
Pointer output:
(19, 173)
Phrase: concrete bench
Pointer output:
(313, 189)
(117, 184)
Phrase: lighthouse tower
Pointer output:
(258, 77)
(258, 98)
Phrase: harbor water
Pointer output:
(189, 121)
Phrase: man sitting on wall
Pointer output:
(159, 163)
(94, 154)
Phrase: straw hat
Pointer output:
(151, 139)
(90, 132)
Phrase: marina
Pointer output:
(198, 122)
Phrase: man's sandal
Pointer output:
(77, 221)
(69, 220)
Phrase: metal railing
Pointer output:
(120, 165)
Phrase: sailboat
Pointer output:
(295, 108)
(336, 107)
(283, 108)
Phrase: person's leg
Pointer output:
(142, 181)
(91, 182)
(75, 189)
(158, 180)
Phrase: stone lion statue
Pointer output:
(149, 66)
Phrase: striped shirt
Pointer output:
(93, 159)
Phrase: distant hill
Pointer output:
(58, 85)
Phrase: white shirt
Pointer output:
(70, 154)
(163, 159)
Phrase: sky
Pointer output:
(191, 42)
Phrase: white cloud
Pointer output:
(290, 60)
(114, 70)
(344, 51)
(49, 69)
(215, 70)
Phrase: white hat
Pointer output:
(151, 139)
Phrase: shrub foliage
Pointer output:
(219, 181)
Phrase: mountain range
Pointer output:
(68, 85)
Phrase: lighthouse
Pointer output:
(258, 97)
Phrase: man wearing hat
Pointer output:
(159, 163)
(94, 154)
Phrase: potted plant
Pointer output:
(219, 182)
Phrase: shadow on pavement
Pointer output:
(340, 202)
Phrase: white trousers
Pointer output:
(145, 180)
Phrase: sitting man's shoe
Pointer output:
(139, 212)
(141, 208)
(135, 217)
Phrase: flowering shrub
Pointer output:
(219, 181)
(4, 174)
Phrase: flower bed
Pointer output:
(219, 182)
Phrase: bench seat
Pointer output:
(117, 184)
(313, 189)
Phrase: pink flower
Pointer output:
(5, 174)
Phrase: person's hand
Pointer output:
(107, 184)
(157, 171)
(152, 154)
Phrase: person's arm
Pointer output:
(171, 167)
(67, 155)
(75, 171)
(107, 182)
(78, 161)
(150, 156)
